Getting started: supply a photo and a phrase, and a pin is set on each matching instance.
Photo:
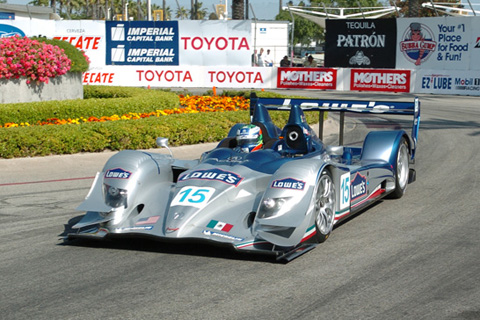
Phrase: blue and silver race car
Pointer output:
(283, 199)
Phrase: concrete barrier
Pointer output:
(65, 87)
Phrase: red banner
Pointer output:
(380, 80)
(307, 78)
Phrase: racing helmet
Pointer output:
(249, 138)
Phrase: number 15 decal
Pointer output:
(345, 191)
(193, 197)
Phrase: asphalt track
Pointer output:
(413, 258)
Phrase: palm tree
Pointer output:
(74, 6)
(238, 9)
(167, 15)
(39, 3)
(181, 13)
(200, 12)
(53, 5)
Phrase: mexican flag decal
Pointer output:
(218, 225)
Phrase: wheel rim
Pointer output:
(324, 204)
(402, 166)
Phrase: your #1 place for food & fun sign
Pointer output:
(444, 43)
(444, 53)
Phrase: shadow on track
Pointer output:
(192, 247)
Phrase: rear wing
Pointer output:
(402, 108)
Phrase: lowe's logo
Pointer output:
(117, 173)
(358, 186)
(288, 183)
(213, 175)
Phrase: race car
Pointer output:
(283, 198)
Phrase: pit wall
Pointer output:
(376, 56)
(341, 79)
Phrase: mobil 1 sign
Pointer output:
(142, 42)
(448, 82)
(366, 43)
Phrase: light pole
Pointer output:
(149, 10)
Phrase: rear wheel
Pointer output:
(324, 206)
(402, 170)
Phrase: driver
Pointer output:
(249, 138)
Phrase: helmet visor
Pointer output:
(247, 141)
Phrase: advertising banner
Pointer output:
(435, 43)
(475, 44)
(88, 36)
(182, 77)
(361, 43)
(380, 80)
(448, 82)
(239, 77)
(174, 43)
(27, 27)
(7, 30)
(307, 78)
(215, 43)
(144, 76)
(430, 55)
(142, 43)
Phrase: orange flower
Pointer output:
(188, 104)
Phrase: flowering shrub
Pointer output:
(79, 59)
(37, 61)
(188, 104)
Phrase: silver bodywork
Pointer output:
(262, 201)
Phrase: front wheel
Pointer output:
(324, 206)
(402, 170)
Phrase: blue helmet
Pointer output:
(249, 138)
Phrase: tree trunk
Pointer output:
(414, 8)
(53, 5)
(238, 9)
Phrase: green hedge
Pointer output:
(117, 135)
(181, 129)
(100, 101)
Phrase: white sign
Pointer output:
(182, 77)
(443, 43)
(215, 43)
(448, 82)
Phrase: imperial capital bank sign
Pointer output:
(169, 43)
(142, 43)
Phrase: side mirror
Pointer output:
(163, 143)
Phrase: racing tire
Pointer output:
(401, 170)
(323, 202)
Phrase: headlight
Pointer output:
(115, 197)
(274, 207)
